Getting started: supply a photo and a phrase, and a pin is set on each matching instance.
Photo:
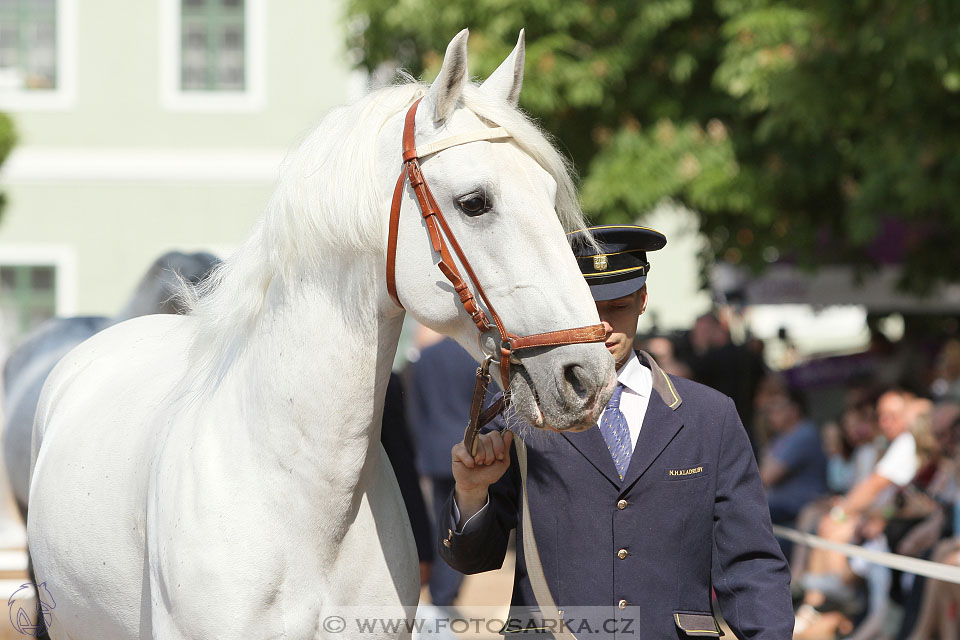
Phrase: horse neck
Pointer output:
(313, 381)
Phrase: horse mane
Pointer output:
(329, 202)
(158, 288)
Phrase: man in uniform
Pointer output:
(637, 520)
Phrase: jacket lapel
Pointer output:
(660, 423)
(591, 445)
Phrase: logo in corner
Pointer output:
(20, 616)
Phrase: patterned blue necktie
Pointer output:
(616, 433)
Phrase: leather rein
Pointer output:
(440, 235)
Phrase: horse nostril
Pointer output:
(573, 374)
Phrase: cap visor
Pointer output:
(614, 290)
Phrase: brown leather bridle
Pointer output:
(438, 228)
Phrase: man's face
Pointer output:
(619, 316)
(781, 413)
(891, 414)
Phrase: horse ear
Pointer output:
(446, 89)
(507, 80)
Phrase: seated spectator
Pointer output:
(946, 383)
(793, 467)
(830, 582)
(852, 452)
(941, 601)
(932, 514)
(850, 446)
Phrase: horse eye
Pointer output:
(474, 204)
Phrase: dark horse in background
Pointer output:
(28, 366)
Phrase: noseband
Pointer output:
(438, 230)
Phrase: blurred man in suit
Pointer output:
(441, 388)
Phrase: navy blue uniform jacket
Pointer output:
(690, 514)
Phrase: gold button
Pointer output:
(622, 604)
(621, 504)
(622, 554)
(446, 542)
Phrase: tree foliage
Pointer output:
(8, 138)
(799, 130)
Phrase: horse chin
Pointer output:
(527, 404)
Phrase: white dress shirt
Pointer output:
(637, 381)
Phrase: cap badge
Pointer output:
(600, 263)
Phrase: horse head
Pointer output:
(507, 201)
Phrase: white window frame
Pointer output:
(64, 260)
(63, 97)
(252, 98)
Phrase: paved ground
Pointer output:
(484, 596)
(488, 593)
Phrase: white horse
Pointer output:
(219, 475)
(29, 364)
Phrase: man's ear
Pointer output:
(643, 299)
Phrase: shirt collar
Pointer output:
(635, 377)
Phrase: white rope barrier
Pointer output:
(935, 570)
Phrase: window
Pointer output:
(28, 296)
(212, 49)
(212, 55)
(38, 55)
(28, 44)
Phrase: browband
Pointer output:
(494, 133)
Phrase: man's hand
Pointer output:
(473, 474)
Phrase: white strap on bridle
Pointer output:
(493, 133)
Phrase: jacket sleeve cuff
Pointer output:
(466, 528)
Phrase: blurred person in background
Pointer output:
(851, 445)
(831, 582)
(946, 383)
(927, 516)
(395, 438)
(731, 369)
(441, 389)
(663, 351)
(938, 615)
(852, 452)
(793, 465)
(770, 387)
(941, 601)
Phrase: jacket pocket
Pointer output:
(697, 624)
